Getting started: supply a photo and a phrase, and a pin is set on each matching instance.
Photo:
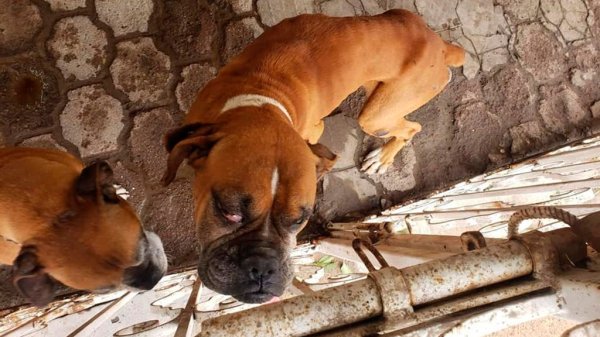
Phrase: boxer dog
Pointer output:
(251, 134)
(61, 221)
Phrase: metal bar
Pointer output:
(185, 316)
(331, 308)
(88, 328)
(456, 274)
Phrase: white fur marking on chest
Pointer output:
(254, 100)
(274, 181)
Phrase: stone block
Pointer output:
(43, 142)
(188, 28)
(238, 34)
(341, 137)
(141, 71)
(125, 16)
(345, 192)
(561, 109)
(92, 120)
(195, 76)
(28, 95)
(65, 5)
(145, 143)
(78, 47)
(540, 53)
(20, 21)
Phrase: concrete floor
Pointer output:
(106, 79)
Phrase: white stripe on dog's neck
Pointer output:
(254, 100)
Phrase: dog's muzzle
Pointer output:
(152, 266)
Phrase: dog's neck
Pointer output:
(257, 101)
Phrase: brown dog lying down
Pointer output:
(251, 133)
(61, 221)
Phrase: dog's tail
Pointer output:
(455, 55)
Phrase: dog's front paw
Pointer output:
(374, 163)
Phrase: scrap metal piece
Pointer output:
(472, 240)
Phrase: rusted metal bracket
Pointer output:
(472, 240)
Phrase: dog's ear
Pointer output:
(192, 141)
(30, 279)
(325, 159)
(96, 181)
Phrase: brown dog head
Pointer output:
(97, 244)
(254, 190)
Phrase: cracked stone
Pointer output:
(400, 176)
(125, 16)
(373, 7)
(403, 4)
(238, 34)
(341, 137)
(582, 78)
(241, 6)
(43, 142)
(529, 137)
(273, 11)
(471, 66)
(568, 15)
(480, 17)
(509, 95)
(339, 8)
(478, 134)
(494, 58)
(587, 74)
(92, 120)
(150, 156)
(594, 18)
(519, 11)
(540, 53)
(169, 213)
(65, 5)
(20, 21)
(188, 29)
(28, 96)
(561, 109)
(439, 14)
(141, 71)
(195, 77)
(346, 191)
(79, 48)
(595, 109)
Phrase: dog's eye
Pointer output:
(229, 216)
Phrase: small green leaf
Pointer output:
(324, 261)
(345, 269)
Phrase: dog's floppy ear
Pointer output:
(95, 181)
(325, 158)
(190, 141)
(30, 279)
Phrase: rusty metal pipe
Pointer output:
(361, 300)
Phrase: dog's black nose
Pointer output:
(260, 267)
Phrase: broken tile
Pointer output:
(373, 7)
(539, 52)
(403, 4)
(273, 11)
(150, 156)
(188, 28)
(471, 66)
(346, 191)
(65, 5)
(238, 34)
(522, 10)
(141, 71)
(569, 16)
(79, 48)
(561, 109)
(480, 17)
(341, 137)
(28, 95)
(42, 142)
(92, 120)
(20, 21)
(438, 14)
(494, 58)
(125, 16)
(195, 76)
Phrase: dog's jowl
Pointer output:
(251, 135)
(61, 221)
